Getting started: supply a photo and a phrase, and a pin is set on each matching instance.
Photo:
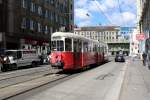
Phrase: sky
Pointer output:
(105, 12)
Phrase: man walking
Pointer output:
(144, 56)
(147, 50)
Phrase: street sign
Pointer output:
(140, 37)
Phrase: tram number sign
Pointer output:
(140, 37)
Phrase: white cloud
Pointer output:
(81, 3)
(128, 16)
(81, 14)
(108, 7)
(96, 6)
(85, 23)
(110, 3)
(123, 19)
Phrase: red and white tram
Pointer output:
(71, 51)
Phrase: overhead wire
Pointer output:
(109, 20)
(101, 11)
(120, 10)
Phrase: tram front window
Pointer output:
(58, 45)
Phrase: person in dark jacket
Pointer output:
(144, 55)
(147, 50)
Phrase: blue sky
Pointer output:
(105, 12)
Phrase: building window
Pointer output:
(46, 30)
(46, 13)
(28, 23)
(40, 10)
(23, 24)
(39, 27)
(52, 15)
(56, 17)
(35, 26)
(24, 3)
(31, 25)
(32, 7)
(47, 1)
(51, 30)
(52, 1)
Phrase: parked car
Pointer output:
(18, 58)
(119, 58)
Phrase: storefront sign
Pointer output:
(140, 37)
(35, 42)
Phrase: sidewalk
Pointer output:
(136, 84)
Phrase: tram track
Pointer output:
(20, 76)
(45, 79)
(49, 78)
(12, 74)
(29, 85)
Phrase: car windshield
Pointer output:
(11, 53)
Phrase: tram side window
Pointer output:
(85, 46)
(68, 44)
(95, 48)
(102, 49)
(99, 49)
(90, 47)
(77, 45)
(80, 46)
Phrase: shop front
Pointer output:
(42, 47)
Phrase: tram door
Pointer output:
(77, 50)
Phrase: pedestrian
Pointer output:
(144, 57)
(147, 50)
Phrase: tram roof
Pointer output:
(71, 35)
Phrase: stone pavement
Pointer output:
(136, 84)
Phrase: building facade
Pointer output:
(28, 24)
(143, 11)
(134, 43)
(108, 34)
(144, 18)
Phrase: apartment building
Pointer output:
(117, 38)
(28, 24)
(143, 20)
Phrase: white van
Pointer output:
(17, 58)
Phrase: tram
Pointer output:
(71, 51)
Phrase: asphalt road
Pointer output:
(100, 83)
